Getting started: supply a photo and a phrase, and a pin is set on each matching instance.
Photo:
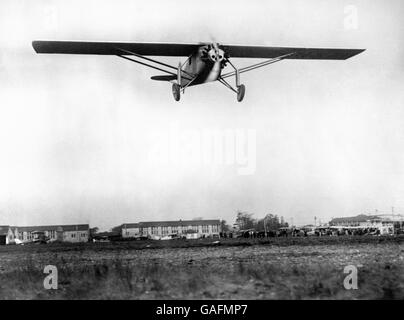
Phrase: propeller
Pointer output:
(218, 54)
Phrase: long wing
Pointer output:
(298, 53)
(115, 48)
(182, 49)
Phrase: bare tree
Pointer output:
(245, 220)
(224, 227)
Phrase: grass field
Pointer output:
(275, 268)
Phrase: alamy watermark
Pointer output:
(351, 280)
(351, 20)
(50, 17)
(206, 146)
(51, 280)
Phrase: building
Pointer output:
(6, 235)
(357, 221)
(131, 230)
(67, 233)
(385, 223)
(157, 229)
(106, 236)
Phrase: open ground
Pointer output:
(278, 268)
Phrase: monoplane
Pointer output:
(204, 61)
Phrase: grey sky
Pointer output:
(76, 132)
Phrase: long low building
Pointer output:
(386, 223)
(66, 233)
(203, 228)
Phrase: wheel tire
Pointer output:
(176, 92)
(241, 92)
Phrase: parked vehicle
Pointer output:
(40, 237)
(170, 236)
(154, 237)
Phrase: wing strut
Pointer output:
(185, 74)
(254, 66)
(147, 65)
(240, 88)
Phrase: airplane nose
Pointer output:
(216, 54)
(219, 54)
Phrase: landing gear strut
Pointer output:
(177, 86)
(180, 85)
(240, 88)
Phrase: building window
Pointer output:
(205, 229)
(164, 230)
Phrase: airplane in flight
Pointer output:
(205, 61)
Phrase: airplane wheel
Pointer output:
(176, 92)
(241, 92)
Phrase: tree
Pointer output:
(260, 224)
(93, 231)
(245, 220)
(117, 229)
(271, 223)
(224, 227)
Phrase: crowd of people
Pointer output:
(303, 232)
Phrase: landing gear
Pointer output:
(239, 89)
(240, 92)
(176, 91)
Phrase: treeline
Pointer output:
(245, 220)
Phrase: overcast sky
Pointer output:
(78, 133)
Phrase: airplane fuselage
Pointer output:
(206, 64)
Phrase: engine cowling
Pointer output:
(212, 53)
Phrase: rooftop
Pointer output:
(4, 230)
(364, 218)
(69, 227)
(176, 223)
(358, 218)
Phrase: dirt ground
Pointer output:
(232, 269)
